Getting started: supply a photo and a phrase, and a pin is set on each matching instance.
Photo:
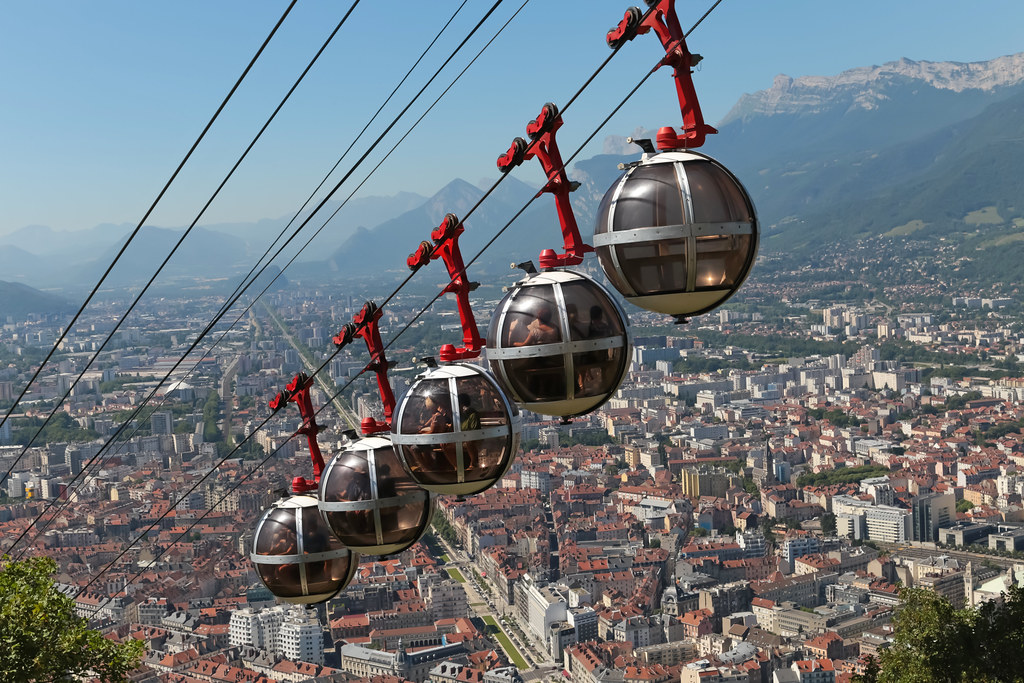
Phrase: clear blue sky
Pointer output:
(100, 100)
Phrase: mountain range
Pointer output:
(906, 148)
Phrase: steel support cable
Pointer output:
(138, 227)
(245, 283)
(166, 260)
(407, 325)
(282, 247)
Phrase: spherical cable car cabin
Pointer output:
(295, 555)
(455, 430)
(676, 233)
(558, 343)
(370, 502)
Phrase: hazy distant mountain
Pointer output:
(356, 213)
(872, 149)
(204, 253)
(40, 255)
(387, 245)
(903, 148)
(20, 300)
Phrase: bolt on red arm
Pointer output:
(544, 147)
(446, 247)
(663, 20)
(297, 391)
(365, 325)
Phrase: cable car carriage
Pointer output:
(296, 557)
(370, 502)
(455, 430)
(558, 343)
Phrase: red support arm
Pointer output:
(542, 132)
(446, 247)
(365, 325)
(663, 20)
(297, 391)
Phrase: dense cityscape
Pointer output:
(761, 419)
(729, 514)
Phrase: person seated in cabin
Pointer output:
(545, 378)
(439, 421)
(469, 420)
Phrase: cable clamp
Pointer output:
(514, 156)
(627, 29)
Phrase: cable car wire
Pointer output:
(323, 202)
(246, 282)
(386, 346)
(395, 338)
(152, 279)
(138, 227)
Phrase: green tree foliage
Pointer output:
(934, 641)
(62, 428)
(828, 524)
(443, 528)
(960, 400)
(211, 411)
(837, 417)
(841, 475)
(41, 638)
(963, 505)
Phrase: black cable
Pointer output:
(406, 326)
(246, 282)
(294, 234)
(152, 279)
(138, 227)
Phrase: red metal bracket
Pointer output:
(543, 146)
(297, 391)
(365, 325)
(663, 20)
(446, 247)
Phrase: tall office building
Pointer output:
(932, 512)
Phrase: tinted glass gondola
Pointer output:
(295, 555)
(676, 234)
(558, 343)
(455, 430)
(369, 500)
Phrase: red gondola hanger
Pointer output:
(677, 233)
(558, 343)
(455, 430)
(297, 391)
(545, 148)
(294, 553)
(365, 325)
(663, 20)
(445, 246)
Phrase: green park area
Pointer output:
(456, 574)
(506, 644)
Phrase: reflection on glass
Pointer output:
(716, 197)
(531, 318)
(359, 528)
(649, 198)
(276, 536)
(721, 260)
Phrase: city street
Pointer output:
(483, 605)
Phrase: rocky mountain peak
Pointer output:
(865, 87)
